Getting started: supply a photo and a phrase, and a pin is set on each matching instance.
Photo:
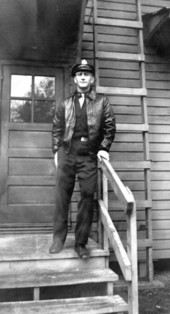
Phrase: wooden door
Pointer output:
(27, 174)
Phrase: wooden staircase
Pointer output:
(82, 286)
(76, 286)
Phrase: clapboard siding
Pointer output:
(158, 87)
(129, 146)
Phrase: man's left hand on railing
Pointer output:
(103, 154)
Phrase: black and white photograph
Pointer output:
(84, 156)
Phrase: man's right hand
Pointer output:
(56, 159)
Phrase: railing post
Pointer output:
(132, 254)
(105, 201)
(99, 197)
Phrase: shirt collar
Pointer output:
(91, 94)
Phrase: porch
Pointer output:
(83, 285)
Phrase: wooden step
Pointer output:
(90, 305)
(36, 246)
(27, 253)
(57, 278)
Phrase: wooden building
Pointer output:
(40, 41)
(149, 183)
(137, 145)
(157, 78)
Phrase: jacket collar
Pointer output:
(91, 94)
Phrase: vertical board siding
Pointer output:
(158, 87)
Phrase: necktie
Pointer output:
(81, 100)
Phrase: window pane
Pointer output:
(20, 111)
(44, 87)
(44, 111)
(21, 85)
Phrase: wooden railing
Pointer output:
(127, 259)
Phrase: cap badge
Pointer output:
(83, 62)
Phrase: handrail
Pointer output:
(115, 241)
(124, 195)
(127, 260)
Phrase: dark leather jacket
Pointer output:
(100, 120)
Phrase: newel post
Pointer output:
(132, 254)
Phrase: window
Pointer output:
(32, 99)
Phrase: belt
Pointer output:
(83, 139)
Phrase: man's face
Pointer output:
(83, 80)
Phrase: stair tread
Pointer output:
(57, 278)
(36, 246)
(90, 305)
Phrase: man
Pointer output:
(83, 128)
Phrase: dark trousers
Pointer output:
(85, 166)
